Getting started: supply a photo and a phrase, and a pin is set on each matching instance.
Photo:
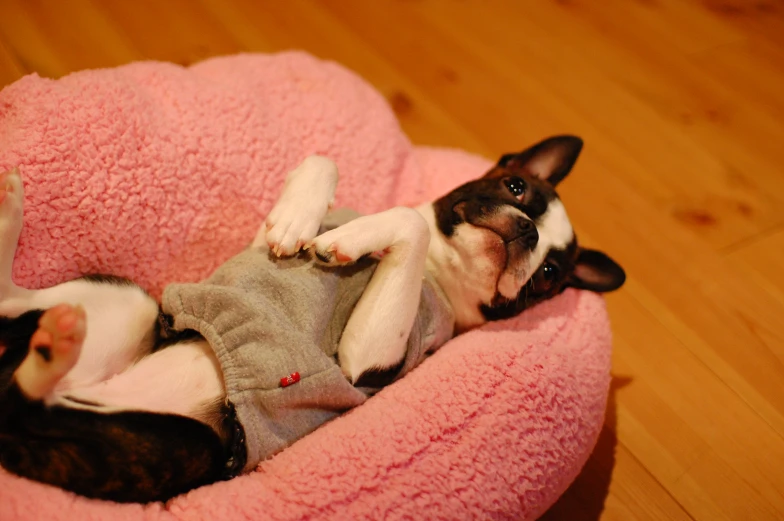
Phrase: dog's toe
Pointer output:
(324, 256)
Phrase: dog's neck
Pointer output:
(464, 290)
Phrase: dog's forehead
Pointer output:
(555, 229)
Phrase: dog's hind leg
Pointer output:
(54, 350)
(11, 212)
(377, 332)
(122, 456)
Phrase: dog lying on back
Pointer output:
(322, 310)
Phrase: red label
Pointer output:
(290, 379)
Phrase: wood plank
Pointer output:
(308, 26)
(10, 69)
(762, 20)
(28, 41)
(726, 498)
(667, 420)
(614, 484)
(753, 71)
(698, 142)
(730, 325)
(763, 260)
(726, 122)
(179, 31)
(55, 38)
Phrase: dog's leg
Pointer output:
(307, 197)
(377, 332)
(11, 210)
(130, 455)
(54, 350)
(125, 314)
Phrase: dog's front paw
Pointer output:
(348, 243)
(337, 254)
(290, 228)
(11, 201)
(375, 234)
(307, 197)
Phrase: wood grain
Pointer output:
(681, 104)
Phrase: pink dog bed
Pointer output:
(161, 173)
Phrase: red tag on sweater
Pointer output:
(290, 379)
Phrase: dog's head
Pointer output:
(503, 243)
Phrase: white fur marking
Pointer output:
(376, 335)
(554, 226)
(181, 379)
(555, 231)
(461, 265)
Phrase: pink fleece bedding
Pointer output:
(161, 173)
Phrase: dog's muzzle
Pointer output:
(526, 233)
(510, 227)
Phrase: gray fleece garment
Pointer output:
(267, 318)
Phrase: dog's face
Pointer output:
(504, 242)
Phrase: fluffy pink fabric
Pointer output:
(160, 173)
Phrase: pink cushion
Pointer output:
(160, 173)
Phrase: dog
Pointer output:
(144, 405)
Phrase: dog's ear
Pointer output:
(549, 160)
(595, 271)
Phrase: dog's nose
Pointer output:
(527, 233)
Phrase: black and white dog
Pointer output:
(95, 409)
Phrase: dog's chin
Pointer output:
(511, 282)
(509, 260)
(467, 266)
(516, 271)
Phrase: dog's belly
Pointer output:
(183, 379)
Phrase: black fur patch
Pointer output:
(377, 378)
(125, 456)
(235, 445)
(479, 200)
(99, 278)
(45, 352)
(15, 336)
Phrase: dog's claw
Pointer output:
(324, 257)
(332, 255)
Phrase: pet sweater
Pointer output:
(268, 318)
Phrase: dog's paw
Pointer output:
(289, 227)
(375, 235)
(307, 197)
(349, 243)
(54, 350)
(11, 199)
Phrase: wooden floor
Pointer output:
(681, 104)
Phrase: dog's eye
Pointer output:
(516, 186)
(544, 277)
(549, 272)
